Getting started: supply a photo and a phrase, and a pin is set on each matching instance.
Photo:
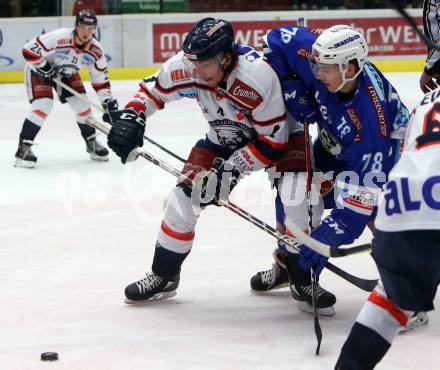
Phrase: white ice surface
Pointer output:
(74, 233)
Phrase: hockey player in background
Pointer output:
(360, 120)
(60, 54)
(431, 27)
(406, 244)
(240, 97)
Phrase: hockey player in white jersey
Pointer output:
(240, 97)
(406, 245)
(60, 54)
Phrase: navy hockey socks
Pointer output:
(362, 350)
(86, 130)
(167, 263)
(29, 130)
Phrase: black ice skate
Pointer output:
(274, 278)
(24, 156)
(301, 289)
(151, 288)
(95, 149)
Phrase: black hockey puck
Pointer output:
(49, 356)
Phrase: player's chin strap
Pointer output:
(61, 84)
(343, 71)
(364, 284)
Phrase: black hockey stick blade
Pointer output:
(343, 252)
(364, 284)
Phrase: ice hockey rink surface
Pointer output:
(74, 233)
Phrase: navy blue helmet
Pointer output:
(208, 38)
(87, 17)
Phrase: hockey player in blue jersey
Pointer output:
(360, 121)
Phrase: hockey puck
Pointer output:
(49, 356)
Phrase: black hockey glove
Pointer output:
(47, 70)
(127, 132)
(109, 105)
(217, 184)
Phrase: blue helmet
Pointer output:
(208, 38)
(87, 17)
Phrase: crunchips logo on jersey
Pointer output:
(245, 94)
(357, 123)
(179, 75)
(381, 121)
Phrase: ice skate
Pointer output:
(324, 299)
(273, 278)
(416, 321)
(97, 151)
(24, 157)
(151, 288)
(301, 290)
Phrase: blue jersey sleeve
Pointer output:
(287, 50)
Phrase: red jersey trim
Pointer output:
(258, 155)
(273, 144)
(388, 305)
(175, 234)
(42, 45)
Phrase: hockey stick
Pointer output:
(363, 284)
(322, 248)
(314, 277)
(413, 24)
(100, 109)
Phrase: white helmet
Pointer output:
(339, 45)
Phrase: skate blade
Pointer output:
(275, 287)
(421, 319)
(95, 157)
(157, 297)
(303, 306)
(23, 163)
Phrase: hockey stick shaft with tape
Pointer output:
(100, 109)
(359, 282)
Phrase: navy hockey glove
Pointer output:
(109, 105)
(217, 184)
(127, 132)
(299, 102)
(47, 70)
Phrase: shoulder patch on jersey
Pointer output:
(356, 121)
(245, 94)
(380, 114)
(95, 50)
(304, 52)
